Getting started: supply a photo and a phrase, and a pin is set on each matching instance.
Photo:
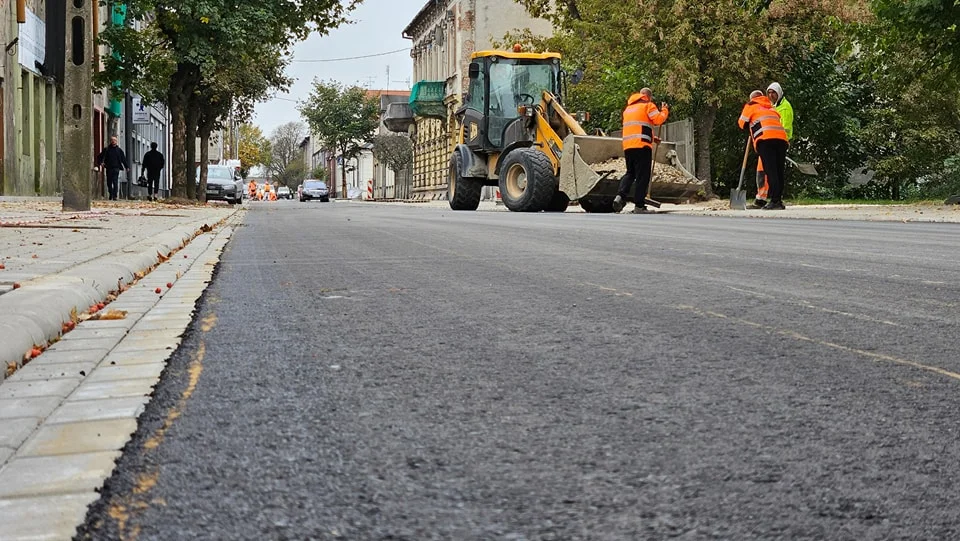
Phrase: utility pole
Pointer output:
(78, 106)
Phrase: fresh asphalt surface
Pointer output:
(393, 372)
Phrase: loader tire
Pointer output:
(597, 205)
(559, 203)
(527, 183)
(463, 193)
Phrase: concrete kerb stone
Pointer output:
(43, 518)
(43, 305)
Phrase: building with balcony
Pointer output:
(445, 33)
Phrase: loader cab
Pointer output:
(501, 83)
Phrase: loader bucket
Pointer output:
(580, 175)
(584, 175)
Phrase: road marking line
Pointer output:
(841, 347)
(808, 304)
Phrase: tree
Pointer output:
(705, 55)
(286, 162)
(253, 148)
(177, 47)
(396, 151)
(342, 118)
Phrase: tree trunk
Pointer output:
(192, 120)
(181, 86)
(343, 173)
(178, 156)
(703, 121)
(204, 161)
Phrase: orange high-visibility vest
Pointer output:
(639, 119)
(763, 120)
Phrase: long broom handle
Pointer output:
(743, 166)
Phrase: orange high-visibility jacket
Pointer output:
(763, 119)
(639, 118)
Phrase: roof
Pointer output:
(378, 93)
(419, 15)
(515, 56)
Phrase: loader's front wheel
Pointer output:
(463, 193)
(527, 183)
(597, 205)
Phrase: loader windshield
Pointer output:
(514, 83)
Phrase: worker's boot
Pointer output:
(641, 210)
(617, 204)
(775, 206)
(758, 204)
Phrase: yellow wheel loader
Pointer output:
(515, 134)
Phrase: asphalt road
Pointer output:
(392, 372)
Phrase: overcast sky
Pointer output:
(377, 28)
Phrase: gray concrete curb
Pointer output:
(35, 313)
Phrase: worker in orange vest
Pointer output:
(770, 141)
(639, 119)
(252, 189)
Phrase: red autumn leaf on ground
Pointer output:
(35, 352)
(169, 285)
(158, 291)
(16, 285)
(2, 266)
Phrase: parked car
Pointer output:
(284, 193)
(315, 189)
(223, 184)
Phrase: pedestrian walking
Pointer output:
(770, 141)
(639, 118)
(153, 163)
(780, 103)
(113, 160)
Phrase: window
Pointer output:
(476, 93)
(514, 83)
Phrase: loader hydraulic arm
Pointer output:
(552, 105)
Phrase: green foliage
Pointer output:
(253, 148)
(341, 118)
(210, 56)
(319, 173)
(396, 151)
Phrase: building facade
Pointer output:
(31, 80)
(445, 33)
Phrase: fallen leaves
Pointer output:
(162, 258)
(111, 315)
(11, 368)
(2, 266)
(16, 285)
(158, 291)
(34, 256)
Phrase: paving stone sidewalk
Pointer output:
(66, 416)
(53, 261)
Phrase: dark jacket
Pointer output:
(153, 161)
(113, 158)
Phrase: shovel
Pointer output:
(653, 164)
(738, 196)
(805, 168)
